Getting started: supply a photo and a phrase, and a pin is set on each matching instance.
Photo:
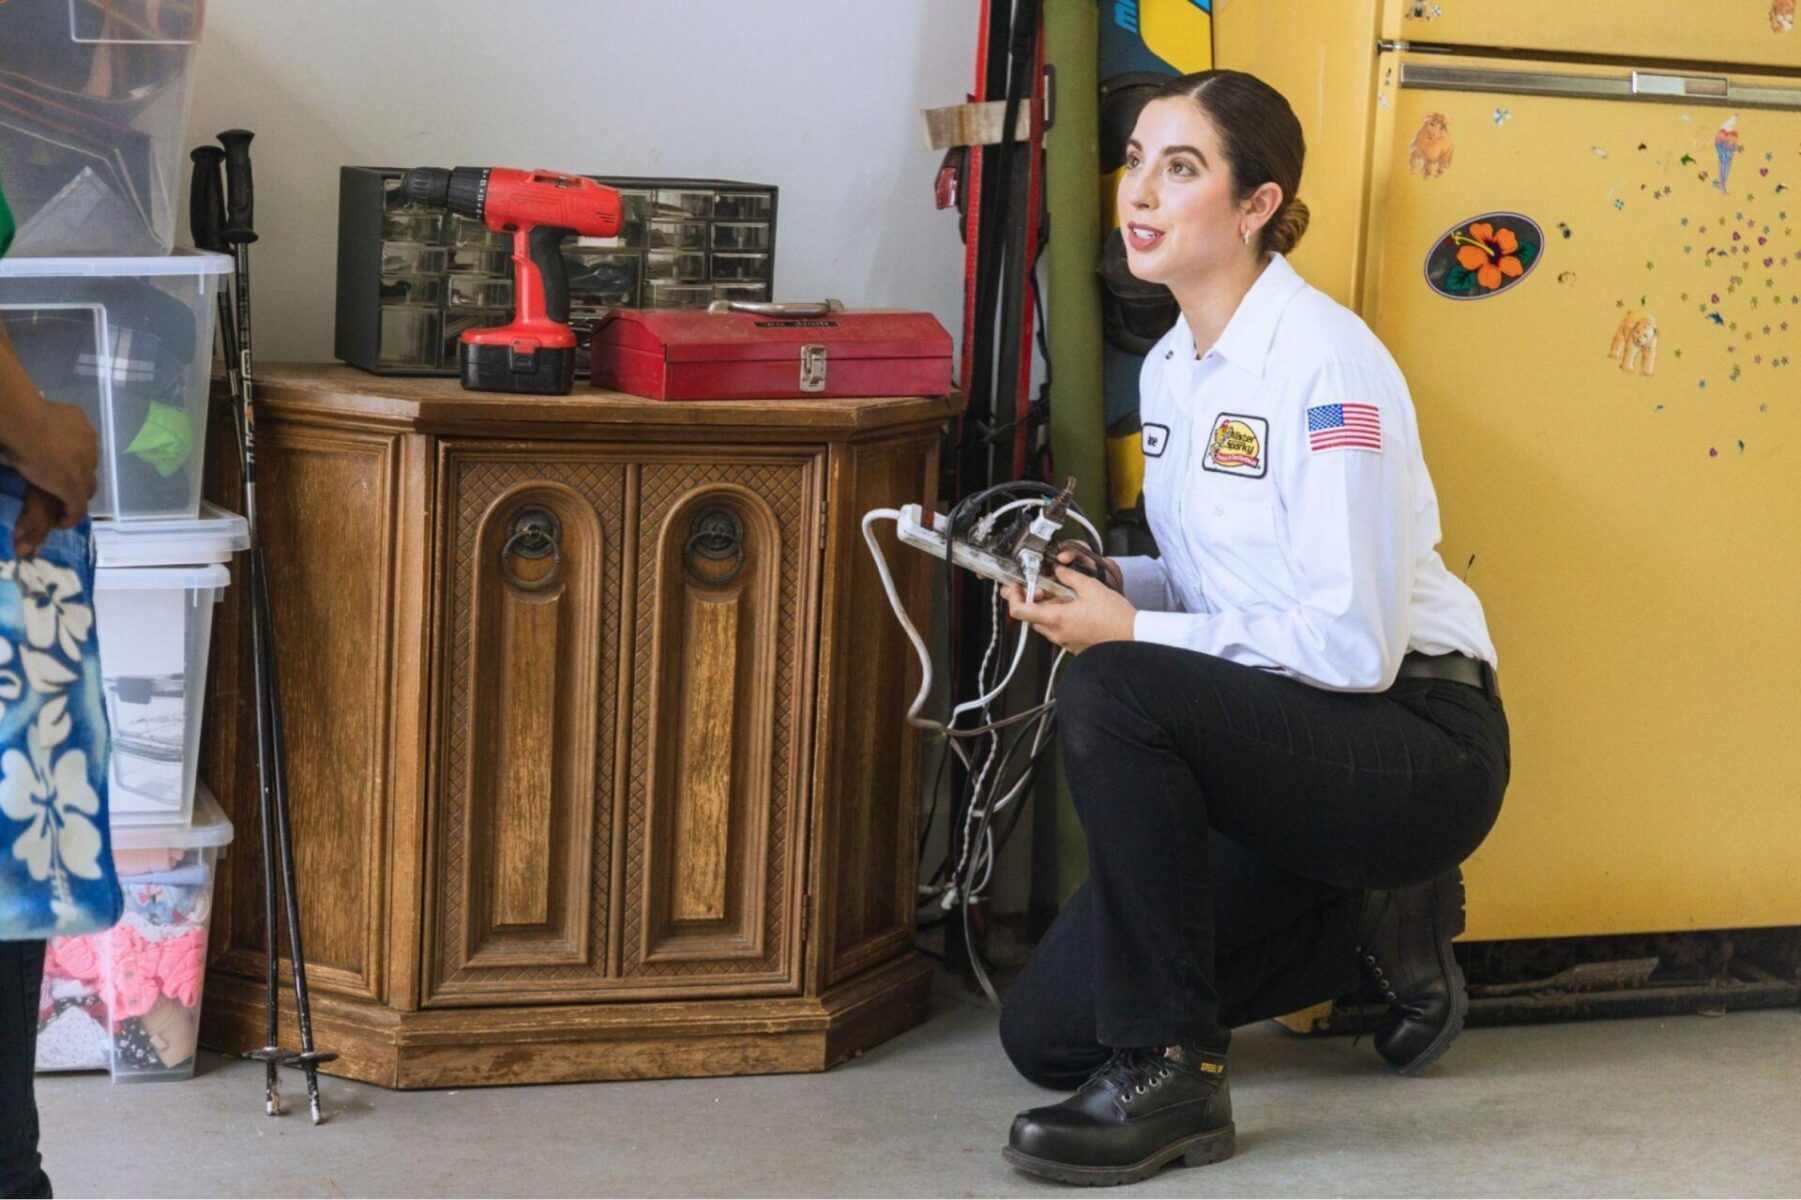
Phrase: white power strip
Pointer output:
(931, 538)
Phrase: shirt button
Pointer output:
(1169, 354)
(1219, 510)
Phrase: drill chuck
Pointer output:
(462, 190)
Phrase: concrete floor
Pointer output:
(1656, 1107)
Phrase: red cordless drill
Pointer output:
(536, 353)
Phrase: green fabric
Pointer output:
(165, 439)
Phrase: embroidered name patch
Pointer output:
(1344, 427)
(1156, 440)
(1239, 445)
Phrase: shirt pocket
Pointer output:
(1244, 564)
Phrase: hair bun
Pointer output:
(1288, 226)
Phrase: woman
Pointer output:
(52, 455)
(1284, 736)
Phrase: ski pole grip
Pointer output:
(240, 221)
(206, 200)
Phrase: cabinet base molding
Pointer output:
(483, 1047)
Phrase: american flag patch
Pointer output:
(1344, 427)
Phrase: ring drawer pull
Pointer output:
(718, 535)
(533, 533)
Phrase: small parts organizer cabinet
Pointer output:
(596, 738)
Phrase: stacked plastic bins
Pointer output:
(129, 998)
(108, 315)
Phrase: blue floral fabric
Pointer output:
(56, 863)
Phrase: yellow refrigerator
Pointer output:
(1581, 240)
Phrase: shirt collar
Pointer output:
(1247, 336)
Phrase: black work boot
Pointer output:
(1144, 1109)
(1405, 952)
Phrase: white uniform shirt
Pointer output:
(1285, 486)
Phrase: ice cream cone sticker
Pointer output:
(1726, 144)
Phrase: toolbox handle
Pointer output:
(806, 308)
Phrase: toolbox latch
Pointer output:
(812, 368)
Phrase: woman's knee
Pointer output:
(1092, 677)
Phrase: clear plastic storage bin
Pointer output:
(130, 341)
(93, 101)
(155, 625)
(129, 998)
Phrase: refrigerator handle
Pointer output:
(1648, 86)
(1653, 83)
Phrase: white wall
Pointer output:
(819, 97)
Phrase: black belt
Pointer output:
(1458, 668)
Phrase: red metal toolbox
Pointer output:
(748, 351)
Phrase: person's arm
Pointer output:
(20, 401)
(1349, 516)
(52, 445)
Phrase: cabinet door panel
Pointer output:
(721, 696)
(528, 696)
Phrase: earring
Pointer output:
(1245, 237)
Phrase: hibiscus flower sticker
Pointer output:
(1484, 256)
(1493, 254)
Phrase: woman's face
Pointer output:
(1176, 208)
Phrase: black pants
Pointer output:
(21, 974)
(1234, 819)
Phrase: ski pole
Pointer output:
(206, 221)
(240, 232)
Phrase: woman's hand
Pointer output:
(1097, 614)
(38, 515)
(55, 449)
(52, 445)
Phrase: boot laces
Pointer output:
(1372, 982)
(1134, 1071)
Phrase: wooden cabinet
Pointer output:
(596, 741)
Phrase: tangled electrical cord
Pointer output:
(985, 750)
